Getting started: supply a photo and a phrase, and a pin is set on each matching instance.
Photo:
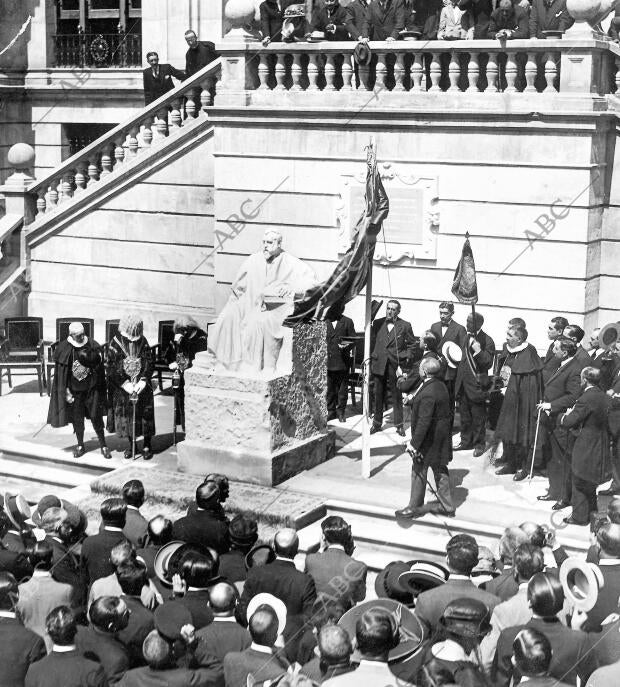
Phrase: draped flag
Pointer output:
(350, 275)
(464, 286)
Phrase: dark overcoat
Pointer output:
(396, 347)
(472, 374)
(431, 423)
(387, 22)
(339, 359)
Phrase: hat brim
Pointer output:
(15, 514)
(402, 595)
(362, 55)
(278, 606)
(420, 580)
(162, 559)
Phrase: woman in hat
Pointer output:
(79, 389)
(129, 370)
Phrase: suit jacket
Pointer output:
(68, 669)
(95, 556)
(396, 347)
(572, 653)
(472, 374)
(336, 574)
(66, 568)
(588, 419)
(202, 528)
(141, 622)
(385, 21)
(197, 603)
(431, 423)
(340, 18)
(156, 86)
(196, 58)
(604, 363)
(19, 647)
(456, 333)
(368, 673)
(170, 677)
(282, 579)
(263, 666)
(514, 611)
(544, 682)
(503, 586)
(614, 411)
(15, 563)
(517, 21)
(607, 600)
(357, 10)
(104, 649)
(232, 566)
(562, 389)
(224, 635)
(339, 359)
(271, 17)
(136, 528)
(431, 604)
(13, 541)
(37, 598)
(545, 16)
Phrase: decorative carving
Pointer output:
(410, 231)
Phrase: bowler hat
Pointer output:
(452, 353)
(17, 509)
(243, 531)
(362, 54)
(423, 575)
(388, 584)
(466, 617)
(170, 618)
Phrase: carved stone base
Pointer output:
(262, 429)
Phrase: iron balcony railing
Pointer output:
(96, 50)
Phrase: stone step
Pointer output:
(55, 475)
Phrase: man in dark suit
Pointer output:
(614, 429)
(334, 21)
(64, 665)
(461, 558)
(338, 363)
(590, 451)
(65, 543)
(157, 78)
(384, 20)
(554, 331)
(19, 647)
(95, 557)
(11, 561)
(601, 359)
(132, 578)
(260, 659)
(575, 333)
(199, 53)
(392, 347)
(282, 579)
(472, 385)
(608, 539)
(449, 330)
(431, 444)
(532, 657)
(271, 19)
(357, 10)
(224, 634)
(198, 573)
(204, 527)
(336, 575)
(159, 532)
(135, 524)
(504, 586)
(549, 15)
(561, 391)
(243, 534)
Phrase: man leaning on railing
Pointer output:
(509, 21)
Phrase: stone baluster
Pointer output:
(119, 151)
(551, 71)
(161, 123)
(132, 141)
(175, 114)
(381, 72)
(66, 186)
(511, 72)
(53, 193)
(206, 99)
(81, 177)
(454, 71)
(347, 73)
(417, 72)
(106, 160)
(93, 171)
(41, 201)
(280, 71)
(473, 73)
(191, 106)
(313, 72)
(296, 72)
(435, 72)
(399, 72)
(147, 132)
(330, 72)
(492, 73)
(263, 72)
(530, 73)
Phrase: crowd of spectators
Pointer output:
(202, 602)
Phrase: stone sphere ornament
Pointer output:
(590, 12)
(240, 13)
(20, 156)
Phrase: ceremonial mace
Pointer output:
(177, 375)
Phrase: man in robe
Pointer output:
(249, 329)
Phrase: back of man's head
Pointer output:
(263, 626)
(133, 493)
(535, 533)
(532, 652)
(9, 591)
(157, 651)
(574, 332)
(429, 367)
(122, 553)
(223, 598)
(207, 495)
(512, 537)
(326, 612)
(527, 561)
(334, 645)
(114, 512)
(243, 532)
(286, 543)
(61, 626)
(567, 345)
(336, 530)
(613, 510)
(375, 633)
(608, 538)
(132, 576)
(109, 614)
(198, 569)
(41, 556)
(545, 595)
(462, 554)
(160, 530)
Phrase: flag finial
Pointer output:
(467, 234)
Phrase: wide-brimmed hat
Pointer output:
(296, 10)
(362, 54)
(263, 554)
(388, 584)
(466, 617)
(423, 575)
(452, 353)
(17, 509)
(168, 557)
(411, 632)
(48, 501)
(264, 599)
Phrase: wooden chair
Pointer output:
(356, 372)
(22, 348)
(62, 332)
(165, 335)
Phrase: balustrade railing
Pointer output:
(95, 50)
(116, 149)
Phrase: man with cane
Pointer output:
(431, 443)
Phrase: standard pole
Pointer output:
(366, 420)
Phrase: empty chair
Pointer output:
(22, 348)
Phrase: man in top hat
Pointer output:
(79, 388)
(430, 445)
(392, 349)
(472, 385)
(338, 363)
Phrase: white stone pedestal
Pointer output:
(261, 429)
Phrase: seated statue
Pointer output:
(248, 335)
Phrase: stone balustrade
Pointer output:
(164, 117)
(404, 73)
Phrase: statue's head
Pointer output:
(272, 244)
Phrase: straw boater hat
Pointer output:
(452, 353)
(264, 599)
(168, 557)
(423, 575)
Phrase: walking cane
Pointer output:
(535, 442)
(134, 401)
(176, 382)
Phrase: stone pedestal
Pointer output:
(263, 429)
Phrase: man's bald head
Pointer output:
(334, 644)
(263, 626)
(429, 367)
(157, 651)
(160, 530)
(286, 543)
(223, 598)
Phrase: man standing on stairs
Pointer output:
(79, 388)
(157, 78)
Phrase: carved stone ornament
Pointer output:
(99, 49)
(410, 231)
